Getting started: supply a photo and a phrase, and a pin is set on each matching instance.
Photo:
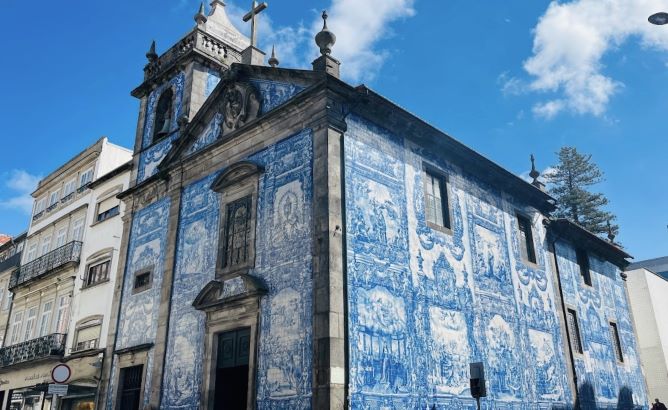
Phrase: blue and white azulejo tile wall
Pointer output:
(153, 154)
(602, 379)
(283, 261)
(424, 303)
(138, 321)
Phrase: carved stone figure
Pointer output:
(241, 105)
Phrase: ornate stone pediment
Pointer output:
(240, 105)
(218, 293)
(236, 173)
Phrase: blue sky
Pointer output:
(506, 78)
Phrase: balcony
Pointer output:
(33, 349)
(57, 258)
(10, 263)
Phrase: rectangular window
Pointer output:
(45, 319)
(436, 200)
(142, 281)
(46, 245)
(583, 263)
(8, 300)
(616, 344)
(16, 327)
(574, 331)
(107, 209)
(86, 178)
(53, 198)
(63, 314)
(97, 273)
(130, 380)
(32, 252)
(87, 338)
(61, 237)
(77, 229)
(69, 187)
(40, 205)
(31, 316)
(526, 239)
(237, 232)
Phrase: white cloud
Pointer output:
(358, 25)
(570, 40)
(23, 184)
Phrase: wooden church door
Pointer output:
(231, 388)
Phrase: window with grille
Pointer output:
(526, 239)
(97, 273)
(130, 381)
(583, 263)
(143, 280)
(616, 344)
(237, 232)
(436, 200)
(574, 331)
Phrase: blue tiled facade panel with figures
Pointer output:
(138, 321)
(283, 262)
(603, 379)
(424, 303)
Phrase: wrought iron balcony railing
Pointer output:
(33, 349)
(46, 263)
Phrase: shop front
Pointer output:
(27, 388)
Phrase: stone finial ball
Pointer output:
(325, 39)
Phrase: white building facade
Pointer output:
(63, 288)
(648, 287)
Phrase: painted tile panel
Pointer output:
(424, 303)
(272, 94)
(138, 321)
(283, 261)
(603, 380)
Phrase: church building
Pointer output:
(295, 242)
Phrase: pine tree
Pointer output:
(569, 184)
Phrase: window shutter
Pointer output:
(107, 204)
(88, 333)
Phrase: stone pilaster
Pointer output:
(160, 346)
(329, 351)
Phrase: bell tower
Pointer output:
(178, 81)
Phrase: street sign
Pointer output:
(61, 373)
(58, 389)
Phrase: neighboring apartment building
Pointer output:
(10, 259)
(648, 295)
(62, 289)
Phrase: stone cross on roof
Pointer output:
(252, 16)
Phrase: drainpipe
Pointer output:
(553, 251)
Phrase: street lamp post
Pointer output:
(658, 19)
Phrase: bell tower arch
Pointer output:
(178, 81)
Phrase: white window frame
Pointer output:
(45, 318)
(61, 237)
(40, 205)
(86, 177)
(78, 225)
(17, 321)
(62, 314)
(31, 319)
(31, 255)
(46, 245)
(54, 197)
(70, 187)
